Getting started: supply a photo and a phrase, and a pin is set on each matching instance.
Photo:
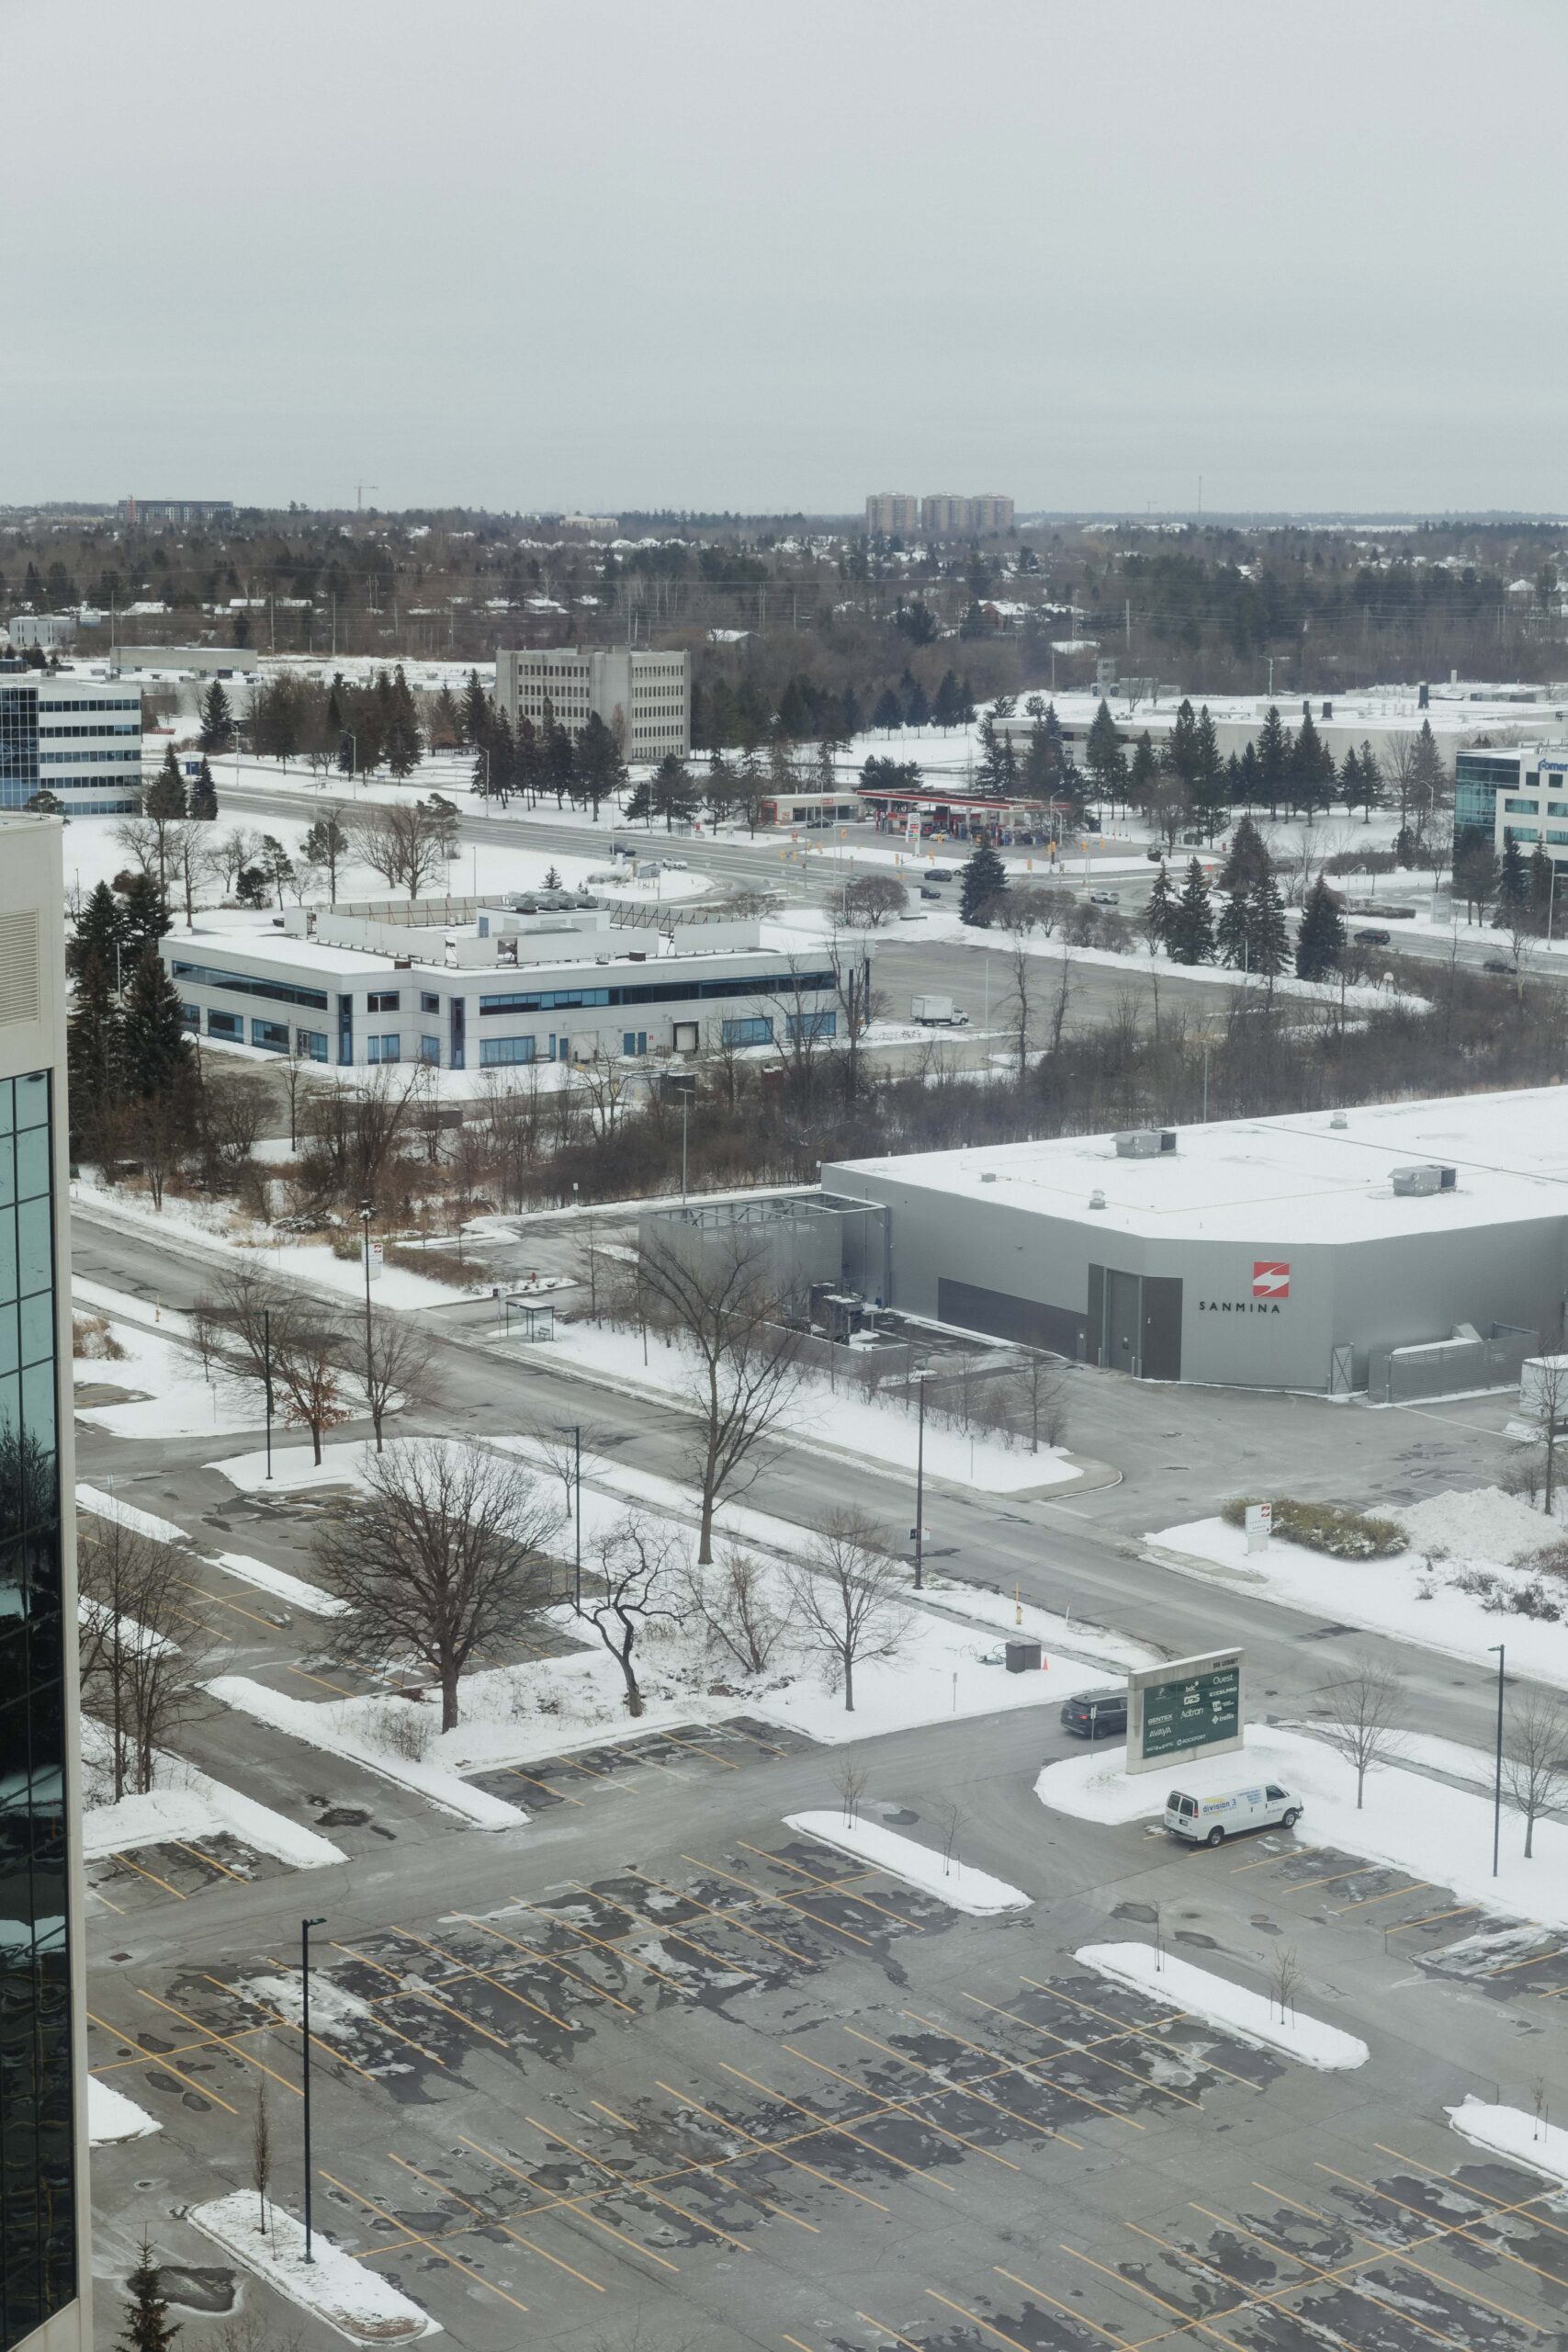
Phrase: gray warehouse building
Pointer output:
(1402, 1249)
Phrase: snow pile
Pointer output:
(1458, 1605)
(186, 1806)
(1438, 1834)
(294, 1467)
(957, 1884)
(111, 2116)
(1477, 1523)
(126, 1515)
(1198, 1992)
(336, 2287)
(294, 1589)
(1509, 2132)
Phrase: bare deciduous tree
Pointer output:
(1041, 1389)
(846, 1597)
(394, 1367)
(733, 1601)
(1284, 1977)
(261, 2155)
(869, 900)
(1535, 1760)
(745, 1365)
(635, 1578)
(850, 1780)
(141, 1644)
(404, 842)
(1018, 1004)
(1362, 1719)
(1549, 1405)
(447, 1554)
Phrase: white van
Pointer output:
(1209, 1821)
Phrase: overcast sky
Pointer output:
(775, 254)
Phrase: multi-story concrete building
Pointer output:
(1518, 790)
(71, 734)
(891, 513)
(42, 632)
(645, 699)
(945, 517)
(504, 991)
(45, 2253)
(155, 513)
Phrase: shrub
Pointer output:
(1325, 1527)
(441, 1265)
(92, 1338)
(403, 1729)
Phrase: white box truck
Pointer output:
(937, 1013)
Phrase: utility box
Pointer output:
(1023, 1657)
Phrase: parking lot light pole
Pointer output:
(1498, 1785)
(267, 1379)
(577, 1513)
(367, 1209)
(919, 1480)
(305, 1928)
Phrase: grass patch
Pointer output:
(1325, 1527)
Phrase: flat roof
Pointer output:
(579, 953)
(1282, 1180)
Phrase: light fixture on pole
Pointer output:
(305, 1928)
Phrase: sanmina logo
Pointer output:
(1270, 1278)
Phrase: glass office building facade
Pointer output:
(37, 2152)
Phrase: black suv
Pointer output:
(1095, 1714)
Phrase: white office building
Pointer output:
(45, 2245)
(76, 735)
(504, 991)
(645, 699)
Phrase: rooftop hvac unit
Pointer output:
(1413, 1182)
(987, 1175)
(1167, 1138)
(1138, 1143)
(1339, 1120)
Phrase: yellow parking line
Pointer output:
(465, 2270)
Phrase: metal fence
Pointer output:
(1411, 1375)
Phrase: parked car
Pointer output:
(1155, 856)
(1095, 1714)
(1105, 897)
(1371, 938)
(1209, 1821)
(1496, 964)
(930, 890)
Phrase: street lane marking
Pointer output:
(1484, 2196)
(601, 1943)
(275, 2016)
(976, 2320)
(224, 2040)
(151, 1874)
(154, 2058)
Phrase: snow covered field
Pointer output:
(1482, 1538)
(1198, 1992)
(840, 1420)
(177, 1400)
(1442, 1836)
(954, 1882)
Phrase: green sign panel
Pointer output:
(1196, 1712)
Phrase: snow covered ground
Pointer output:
(333, 2286)
(1198, 1992)
(839, 1420)
(1442, 1836)
(1511, 2131)
(111, 2116)
(140, 1522)
(186, 1806)
(954, 1882)
(179, 1401)
(278, 1582)
(1476, 1540)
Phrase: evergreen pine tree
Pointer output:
(93, 1056)
(1540, 885)
(1426, 778)
(100, 930)
(965, 703)
(1272, 757)
(1102, 751)
(1246, 860)
(1144, 773)
(851, 718)
(1181, 745)
(674, 793)
(1233, 932)
(157, 1051)
(404, 746)
(983, 881)
(165, 799)
(1371, 781)
(1350, 780)
(1249, 781)
(1320, 935)
(890, 712)
(1513, 886)
(476, 709)
(217, 719)
(599, 769)
(1191, 924)
(1160, 909)
(639, 807)
(445, 721)
(917, 705)
(947, 711)
(202, 800)
(326, 846)
(1269, 938)
(146, 2326)
(144, 913)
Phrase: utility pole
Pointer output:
(305, 1928)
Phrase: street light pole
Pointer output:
(267, 1378)
(577, 1513)
(367, 1209)
(919, 1481)
(685, 1107)
(305, 1928)
(1498, 1785)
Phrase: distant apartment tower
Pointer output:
(45, 2253)
(942, 517)
(645, 699)
(888, 514)
(76, 735)
(159, 514)
(42, 632)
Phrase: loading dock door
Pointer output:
(1124, 1317)
(1162, 1327)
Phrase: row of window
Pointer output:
(119, 703)
(115, 728)
(206, 975)
(1555, 834)
(659, 992)
(91, 759)
(1532, 807)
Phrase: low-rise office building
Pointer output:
(1519, 790)
(74, 735)
(507, 991)
(644, 698)
(1401, 1249)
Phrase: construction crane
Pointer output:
(359, 490)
